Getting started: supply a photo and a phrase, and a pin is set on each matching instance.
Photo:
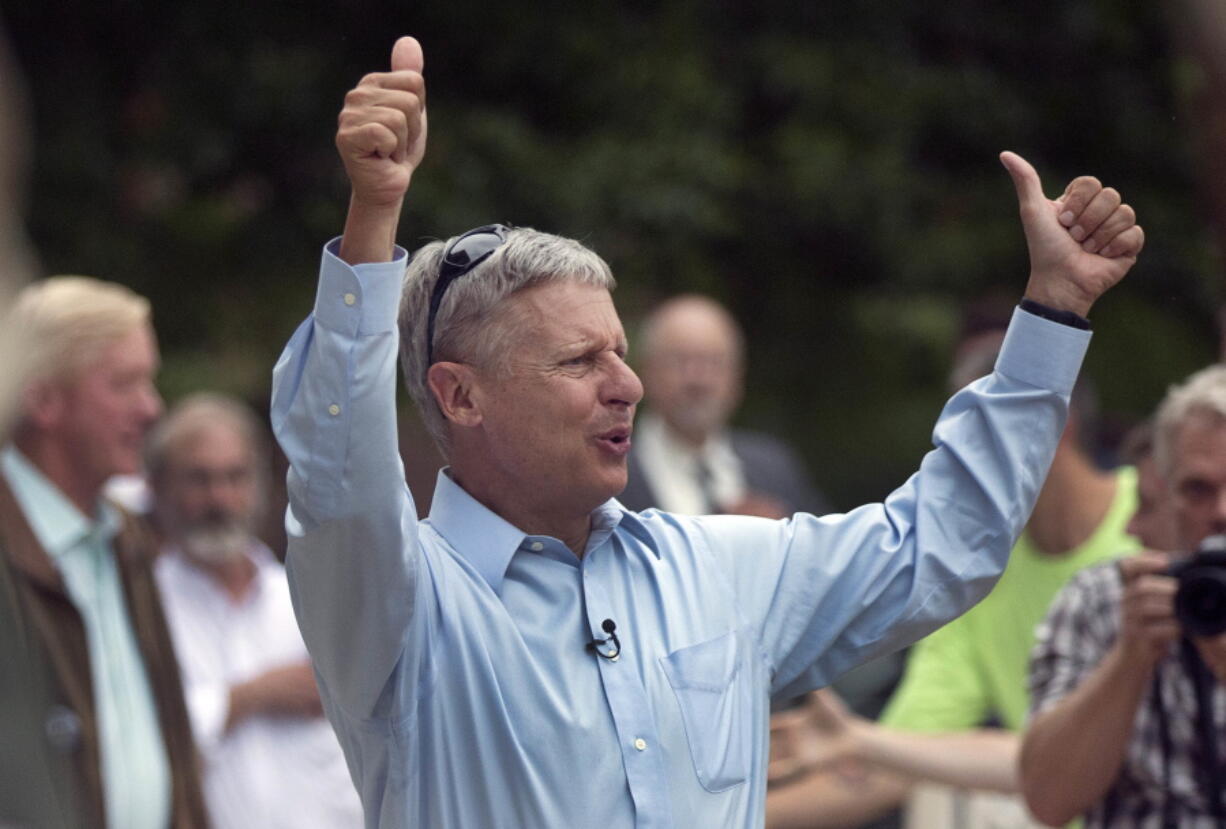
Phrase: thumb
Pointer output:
(406, 54)
(1025, 179)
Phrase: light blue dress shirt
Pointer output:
(451, 652)
(135, 769)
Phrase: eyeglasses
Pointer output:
(467, 252)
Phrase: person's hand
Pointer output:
(1148, 626)
(381, 134)
(286, 691)
(819, 735)
(1080, 244)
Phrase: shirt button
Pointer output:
(640, 744)
(63, 728)
(350, 299)
(334, 410)
(536, 546)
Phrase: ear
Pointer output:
(43, 404)
(454, 386)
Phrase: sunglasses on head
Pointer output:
(466, 251)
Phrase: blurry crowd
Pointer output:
(153, 673)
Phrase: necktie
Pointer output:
(706, 484)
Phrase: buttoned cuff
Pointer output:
(1042, 353)
(359, 300)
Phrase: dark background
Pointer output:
(827, 169)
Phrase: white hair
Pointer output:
(469, 326)
(1203, 394)
(64, 321)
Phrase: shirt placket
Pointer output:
(637, 736)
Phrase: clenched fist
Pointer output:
(382, 129)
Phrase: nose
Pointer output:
(623, 387)
(151, 403)
(221, 495)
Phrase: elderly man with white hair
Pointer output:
(88, 661)
(534, 654)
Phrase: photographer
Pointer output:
(1123, 685)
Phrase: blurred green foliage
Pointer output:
(828, 170)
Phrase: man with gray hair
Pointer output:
(88, 661)
(1123, 693)
(534, 654)
(270, 758)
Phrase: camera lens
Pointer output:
(1200, 601)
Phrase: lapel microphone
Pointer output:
(602, 647)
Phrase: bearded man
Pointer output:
(270, 757)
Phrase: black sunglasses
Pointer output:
(465, 253)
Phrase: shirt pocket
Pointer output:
(712, 683)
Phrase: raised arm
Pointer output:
(832, 592)
(354, 563)
(1087, 705)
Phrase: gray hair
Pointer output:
(1204, 393)
(196, 413)
(469, 326)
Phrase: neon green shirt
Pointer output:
(973, 670)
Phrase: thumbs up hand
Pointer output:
(381, 139)
(382, 129)
(1080, 244)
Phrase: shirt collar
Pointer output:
(613, 515)
(265, 563)
(57, 522)
(487, 541)
(481, 537)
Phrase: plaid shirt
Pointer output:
(1081, 626)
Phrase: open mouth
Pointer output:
(616, 440)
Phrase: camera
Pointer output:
(1200, 599)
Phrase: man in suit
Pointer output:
(685, 457)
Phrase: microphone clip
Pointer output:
(602, 647)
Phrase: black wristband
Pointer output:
(1069, 318)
